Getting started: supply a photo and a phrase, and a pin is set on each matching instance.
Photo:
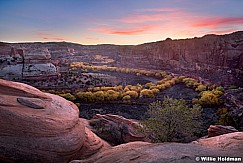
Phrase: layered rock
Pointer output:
(232, 142)
(116, 129)
(216, 130)
(210, 57)
(219, 146)
(41, 127)
(17, 64)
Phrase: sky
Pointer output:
(122, 22)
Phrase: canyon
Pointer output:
(207, 58)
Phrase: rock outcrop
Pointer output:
(134, 152)
(116, 129)
(18, 64)
(216, 130)
(41, 127)
(232, 142)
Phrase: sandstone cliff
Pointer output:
(211, 57)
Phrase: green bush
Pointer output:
(126, 98)
(85, 96)
(68, 96)
(170, 118)
(99, 96)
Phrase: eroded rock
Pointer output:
(216, 130)
(54, 133)
(144, 152)
(116, 129)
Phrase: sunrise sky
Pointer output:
(116, 21)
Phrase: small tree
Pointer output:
(171, 118)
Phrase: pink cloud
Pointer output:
(216, 22)
(49, 36)
(171, 21)
(123, 31)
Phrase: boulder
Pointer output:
(216, 130)
(41, 127)
(116, 129)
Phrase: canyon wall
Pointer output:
(211, 56)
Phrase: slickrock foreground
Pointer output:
(41, 127)
(143, 152)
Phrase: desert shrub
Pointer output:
(167, 84)
(96, 89)
(132, 94)
(117, 88)
(99, 96)
(126, 98)
(220, 88)
(111, 95)
(126, 89)
(201, 88)
(208, 98)
(155, 91)
(191, 83)
(217, 93)
(68, 96)
(85, 96)
(106, 88)
(161, 87)
(170, 118)
(160, 82)
(146, 93)
(148, 85)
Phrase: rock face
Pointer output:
(41, 127)
(229, 142)
(216, 130)
(116, 129)
(210, 57)
(134, 152)
(18, 64)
